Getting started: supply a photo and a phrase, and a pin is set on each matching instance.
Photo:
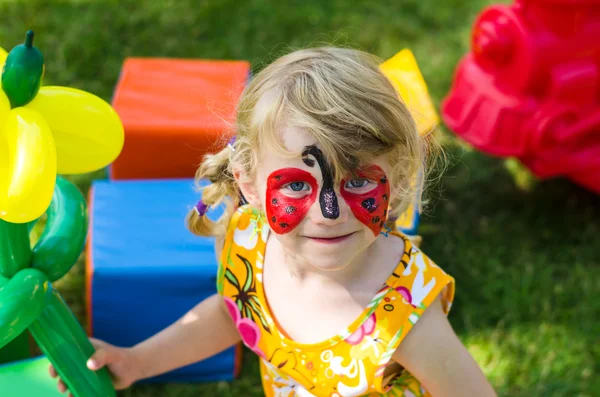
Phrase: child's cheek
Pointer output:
(284, 213)
(370, 208)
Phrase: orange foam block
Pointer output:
(173, 112)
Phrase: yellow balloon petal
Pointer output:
(27, 166)
(4, 107)
(404, 73)
(3, 55)
(87, 131)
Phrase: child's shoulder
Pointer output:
(420, 279)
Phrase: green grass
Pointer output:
(525, 260)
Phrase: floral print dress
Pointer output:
(356, 362)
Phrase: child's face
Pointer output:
(326, 224)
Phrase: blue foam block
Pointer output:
(147, 269)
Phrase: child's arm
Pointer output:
(204, 331)
(436, 357)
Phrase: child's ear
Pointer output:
(248, 189)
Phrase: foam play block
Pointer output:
(145, 269)
(28, 378)
(405, 75)
(408, 222)
(173, 111)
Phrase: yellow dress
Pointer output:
(356, 362)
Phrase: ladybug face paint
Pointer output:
(371, 207)
(327, 197)
(286, 206)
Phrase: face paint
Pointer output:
(327, 197)
(284, 213)
(371, 207)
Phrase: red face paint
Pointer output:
(371, 207)
(284, 213)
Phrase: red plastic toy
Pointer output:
(530, 88)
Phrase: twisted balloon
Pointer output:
(45, 131)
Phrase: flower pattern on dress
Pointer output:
(246, 299)
(365, 329)
(247, 328)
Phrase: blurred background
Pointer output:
(525, 253)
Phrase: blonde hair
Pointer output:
(342, 98)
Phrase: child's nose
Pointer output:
(329, 209)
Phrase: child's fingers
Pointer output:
(61, 386)
(97, 343)
(98, 360)
(52, 371)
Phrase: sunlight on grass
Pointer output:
(535, 359)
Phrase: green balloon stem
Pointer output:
(29, 39)
(22, 299)
(28, 300)
(15, 249)
(66, 345)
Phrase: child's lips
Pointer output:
(332, 239)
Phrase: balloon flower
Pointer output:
(45, 131)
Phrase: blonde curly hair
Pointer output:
(344, 100)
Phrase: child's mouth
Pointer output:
(331, 240)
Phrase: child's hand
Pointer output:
(121, 363)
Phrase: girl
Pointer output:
(312, 276)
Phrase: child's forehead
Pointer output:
(295, 139)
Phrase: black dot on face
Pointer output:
(274, 201)
(375, 220)
(383, 180)
(283, 225)
(369, 204)
(384, 212)
(277, 177)
(290, 210)
(385, 197)
(273, 219)
(381, 224)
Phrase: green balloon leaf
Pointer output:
(64, 237)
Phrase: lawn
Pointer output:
(525, 255)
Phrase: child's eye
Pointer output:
(359, 186)
(357, 183)
(298, 186)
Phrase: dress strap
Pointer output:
(416, 283)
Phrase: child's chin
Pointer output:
(328, 263)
